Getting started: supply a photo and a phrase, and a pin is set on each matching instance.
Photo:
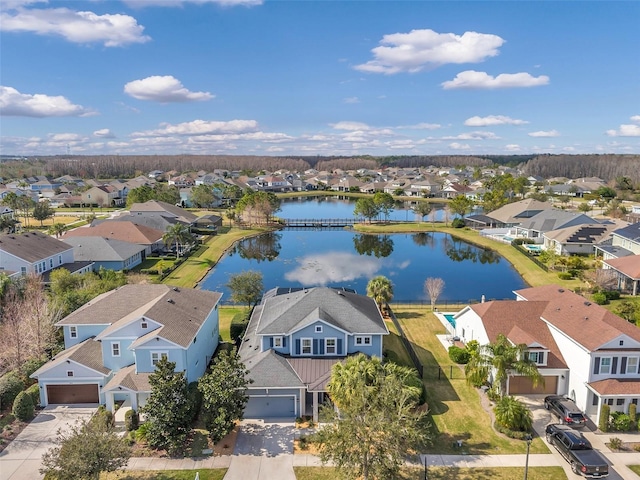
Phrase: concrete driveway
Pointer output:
(264, 451)
(21, 459)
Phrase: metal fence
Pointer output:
(521, 249)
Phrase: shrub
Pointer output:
(472, 346)
(457, 223)
(633, 415)
(238, 326)
(611, 294)
(459, 355)
(10, 386)
(194, 397)
(23, 407)
(103, 417)
(34, 392)
(513, 414)
(603, 423)
(518, 435)
(600, 298)
(620, 422)
(131, 420)
(565, 276)
(615, 443)
(303, 442)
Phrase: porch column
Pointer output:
(315, 407)
(303, 402)
(109, 401)
(134, 401)
(635, 287)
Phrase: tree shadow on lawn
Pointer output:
(408, 315)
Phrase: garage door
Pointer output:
(524, 385)
(84, 393)
(270, 407)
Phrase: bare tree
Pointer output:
(433, 287)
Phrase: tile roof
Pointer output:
(616, 386)
(628, 266)
(348, 311)
(180, 311)
(129, 379)
(123, 231)
(32, 246)
(520, 322)
(87, 353)
(585, 322)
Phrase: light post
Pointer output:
(425, 466)
(528, 438)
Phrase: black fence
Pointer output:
(407, 345)
(522, 250)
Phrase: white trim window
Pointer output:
(330, 346)
(69, 373)
(157, 356)
(539, 358)
(632, 365)
(73, 331)
(363, 340)
(306, 346)
(605, 365)
(115, 349)
(318, 328)
(277, 342)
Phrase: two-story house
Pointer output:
(594, 354)
(113, 343)
(624, 243)
(294, 338)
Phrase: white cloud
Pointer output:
(180, 3)
(545, 134)
(625, 131)
(482, 80)
(459, 146)
(419, 49)
(350, 126)
(163, 89)
(14, 103)
(201, 127)
(333, 268)
(78, 27)
(473, 136)
(492, 120)
(512, 147)
(635, 118)
(104, 133)
(352, 100)
(420, 126)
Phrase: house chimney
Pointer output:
(482, 299)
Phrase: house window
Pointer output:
(620, 401)
(605, 365)
(306, 346)
(51, 263)
(536, 357)
(69, 373)
(59, 259)
(634, 401)
(277, 342)
(23, 270)
(330, 346)
(318, 328)
(115, 349)
(632, 365)
(363, 340)
(73, 332)
(157, 356)
(144, 325)
(621, 342)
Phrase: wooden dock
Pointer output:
(318, 222)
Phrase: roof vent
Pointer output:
(340, 293)
(169, 300)
(561, 290)
(586, 318)
(175, 289)
(587, 303)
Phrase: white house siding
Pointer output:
(469, 327)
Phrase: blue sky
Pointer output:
(252, 77)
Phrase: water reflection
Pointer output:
(459, 251)
(333, 267)
(376, 245)
(423, 239)
(263, 247)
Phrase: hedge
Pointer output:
(518, 435)
(603, 424)
(23, 408)
(34, 392)
(10, 386)
(459, 355)
(131, 420)
(633, 415)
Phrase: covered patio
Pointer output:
(628, 272)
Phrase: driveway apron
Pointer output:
(21, 459)
(263, 451)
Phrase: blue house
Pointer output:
(294, 338)
(113, 343)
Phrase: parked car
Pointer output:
(566, 410)
(577, 450)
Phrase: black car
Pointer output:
(566, 410)
(577, 450)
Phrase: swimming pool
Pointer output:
(450, 319)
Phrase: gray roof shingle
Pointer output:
(32, 246)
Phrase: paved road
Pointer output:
(21, 459)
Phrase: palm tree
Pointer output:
(380, 289)
(513, 414)
(500, 359)
(57, 229)
(177, 234)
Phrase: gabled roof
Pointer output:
(129, 379)
(99, 249)
(348, 311)
(123, 231)
(616, 386)
(180, 311)
(549, 220)
(32, 246)
(156, 206)
(520, 322)
(587, 323)
(269, 370)
(87, 353)
(628, 266)
(517, 212)
(590, 233)
(630, 232)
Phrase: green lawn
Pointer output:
(635, 469)
(441, 473)
(454, 406)
(205, 474)
(226, 315)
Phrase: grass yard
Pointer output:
(196, 266)
(226, 314)
(205, 474)
(393, 347)
(454, 406)
(635, 469)
(452, 473)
